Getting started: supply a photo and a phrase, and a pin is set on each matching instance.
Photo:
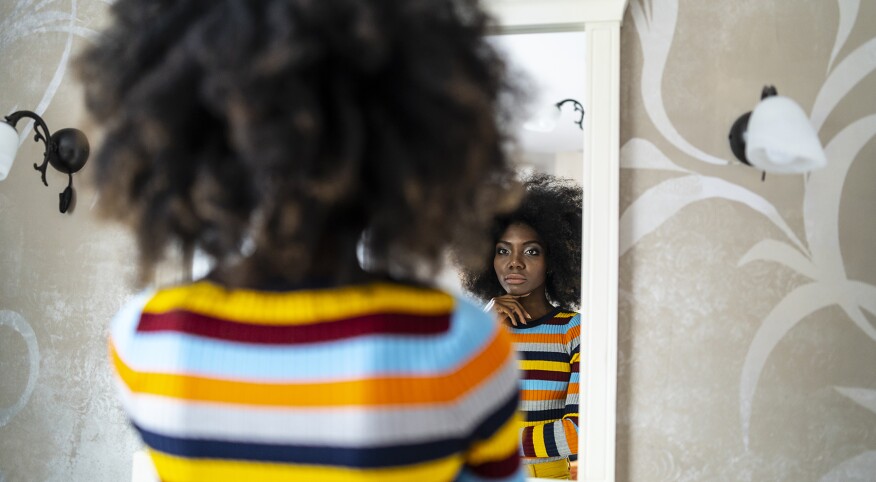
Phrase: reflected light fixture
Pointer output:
(546, 120)
(578, 108)
(66, 150)
(777, 137)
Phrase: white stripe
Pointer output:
(536, 405)
(560, 438)
(346, 426)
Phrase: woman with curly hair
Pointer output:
(533, 284)
(276, 136)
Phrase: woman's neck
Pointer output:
(536, 304)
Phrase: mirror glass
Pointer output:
(549, 139)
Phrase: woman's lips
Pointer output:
(515, 279)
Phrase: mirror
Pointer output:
(549, 138)
(601, 22)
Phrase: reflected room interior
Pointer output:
(549, 130)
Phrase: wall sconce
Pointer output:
(777, 137)
(66, 150)
(546, 121)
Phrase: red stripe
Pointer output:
(379, 324)
(526, 442)
(575, 366)
(499, 469)
(545, 375)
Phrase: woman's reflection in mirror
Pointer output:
(532, 282)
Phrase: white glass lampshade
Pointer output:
(545, 119)
(780, 139)
(8, 148)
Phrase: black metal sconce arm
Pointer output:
(578, 108)
(66, 150)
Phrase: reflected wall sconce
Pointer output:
(777, 137)
(578, 108)
(546, 121)
(66, 150)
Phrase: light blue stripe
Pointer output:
(368, 356)
(542, 385)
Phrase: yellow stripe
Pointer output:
(564, 314)
(437, 388)
(538, 442)
(499, 446)
(544, 365)
(300, 307)
(179, 469)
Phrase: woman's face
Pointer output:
(520, 260)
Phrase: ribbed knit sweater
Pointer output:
(376, 382)
(548, 351)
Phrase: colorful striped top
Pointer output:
(548, 351)
(375, 382)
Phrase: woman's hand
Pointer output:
(508, 308)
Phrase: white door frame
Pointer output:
(601, 22)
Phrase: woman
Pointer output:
(276, 135)
(533, 285)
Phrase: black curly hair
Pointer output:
(297, 126)
(552, 207)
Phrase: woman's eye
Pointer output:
(501, 251)
(532, 252)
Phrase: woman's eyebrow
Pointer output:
(502, 241)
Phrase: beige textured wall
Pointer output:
(747, 338)
(747, 330)
(61, 276)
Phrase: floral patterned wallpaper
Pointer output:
(748, 335)
(747, 308)
(61, 276)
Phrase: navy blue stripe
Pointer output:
(544, 356)
(353, 457)
(497, 419)
(549, 443)
(544, 415)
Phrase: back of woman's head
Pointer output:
(296, 126)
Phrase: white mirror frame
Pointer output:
(601, 22)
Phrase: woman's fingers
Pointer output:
(511, 309)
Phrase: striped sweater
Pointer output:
(548, 351)
(377, 382)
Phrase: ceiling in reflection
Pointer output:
(551, 66)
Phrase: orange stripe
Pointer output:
(574, 332)
(573, 388)
(542, 395)
(539, 338)
(571, 436)
(374, 391)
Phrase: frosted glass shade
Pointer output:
(8, 148)
(780, 139)
(545, 120)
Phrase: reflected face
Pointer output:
(519, 260)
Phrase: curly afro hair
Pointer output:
(552, 207)
(297, 127)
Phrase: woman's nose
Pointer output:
(515, 262)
